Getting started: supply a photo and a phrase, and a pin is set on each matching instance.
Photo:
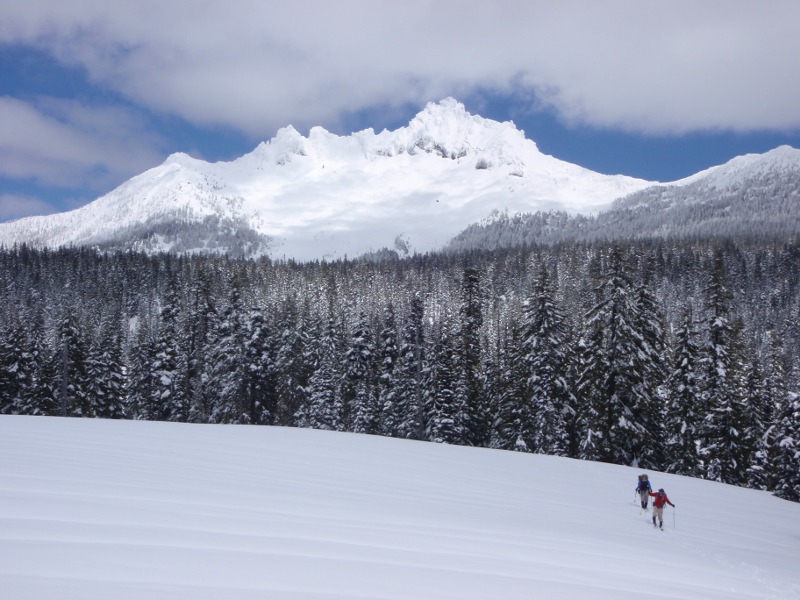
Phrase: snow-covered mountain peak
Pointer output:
(447, 129)
(444, 129)
(287, 143)
(327, 196)
(180, 158)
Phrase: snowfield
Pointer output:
(122, 510)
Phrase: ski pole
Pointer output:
(673, 518)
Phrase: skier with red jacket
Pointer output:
(661, 499)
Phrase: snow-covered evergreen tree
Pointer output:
(324, 407)
(140, 382)
(169, 367)
(43, 394)
(468, 356)
(787, 460)
(652, 362)
(765, 419)
(723, 443)
(683, 416)
(260, 401)
(616, 418)
(757, 416)
(71, 385)
(16, 377)
(387, 381)
(359, 391)
(407, 408)
(30, 364)
(513, 427)
(199, 328)
(445, 411)
(105, 371)
(227, 380)
(291, 368)
(545, 351)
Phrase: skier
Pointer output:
(661, 499)
(643, 489)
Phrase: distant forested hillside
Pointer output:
(759, 207)
(681, 356)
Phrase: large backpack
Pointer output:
(642, 482)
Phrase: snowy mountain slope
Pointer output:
(751, 194)
(756, 195)
(156, 210)
(326, 195)
(780, 162)
(774, 174)
(95, 509)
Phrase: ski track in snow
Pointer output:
(94, 509)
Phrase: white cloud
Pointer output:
(646, 66)
(64, 143)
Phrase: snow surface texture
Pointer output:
(326, 196)
(127, 510)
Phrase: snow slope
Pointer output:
(783, 161)
(94, 509)
(328, 196)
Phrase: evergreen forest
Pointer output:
(676, 355)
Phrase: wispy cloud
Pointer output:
(65, 143)
(14, 206)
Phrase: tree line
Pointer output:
(663, 355)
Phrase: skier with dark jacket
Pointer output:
(643, 489)
(661, 499)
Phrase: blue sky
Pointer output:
(94, 93)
